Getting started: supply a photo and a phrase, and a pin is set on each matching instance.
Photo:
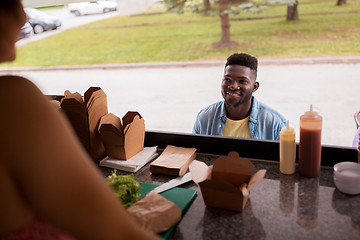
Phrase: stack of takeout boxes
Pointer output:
(84, 116)
(101, 132)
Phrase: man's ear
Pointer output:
(256, 86)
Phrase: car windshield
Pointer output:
(33, 13)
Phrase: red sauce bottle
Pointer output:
(310, 144)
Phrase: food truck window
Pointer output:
(169, 95)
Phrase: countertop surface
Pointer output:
(280, 207)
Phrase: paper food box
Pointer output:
(173, 161)
(84, 116)
(229, 183)
(122, 141)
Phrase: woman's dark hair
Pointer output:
(10, 6)
(243, 59)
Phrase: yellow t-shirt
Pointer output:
(239, 128)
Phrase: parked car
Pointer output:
(41, 21)
(26, 31)
(93, 7)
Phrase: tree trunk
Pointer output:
(225, 26)
(225, 23)
(207, 5)
(292, 12)
(341, 2)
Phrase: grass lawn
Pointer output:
(172, 37)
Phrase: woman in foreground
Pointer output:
(49, 186)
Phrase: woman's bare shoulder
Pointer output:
(4, 78)
(14, 81)
(12, 86)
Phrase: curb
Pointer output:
(290, 61)
(316, 60)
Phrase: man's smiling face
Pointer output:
(238, 84)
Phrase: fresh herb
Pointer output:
(125, 187)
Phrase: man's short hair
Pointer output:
(242, 59)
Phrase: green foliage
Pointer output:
(174, 5)
(197, 7)
(281, 2)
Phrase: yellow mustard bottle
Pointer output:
(287, 149)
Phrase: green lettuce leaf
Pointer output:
(126, 188)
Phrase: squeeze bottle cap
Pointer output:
(287, 129)
(311, 115)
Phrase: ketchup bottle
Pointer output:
(310, 144)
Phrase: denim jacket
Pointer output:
(264, 122)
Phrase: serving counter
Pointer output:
(280, 206)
